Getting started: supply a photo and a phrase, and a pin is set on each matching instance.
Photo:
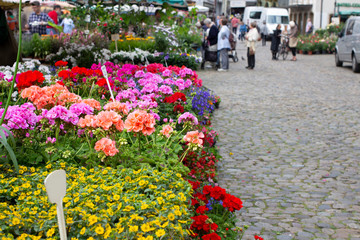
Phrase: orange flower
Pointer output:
(194, 137)
(166, 130)
(88, 121)
(117, 107)
(140, 120)
(92, 103)
(106, 119)
(68, 97)
(107, 146)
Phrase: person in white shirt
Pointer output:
(309, 27)
(251, 37)
(223, 45)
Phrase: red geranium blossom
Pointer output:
(211, 236)
(29, 78)
(175, 97)
(258, 238)
(61, 64)
(179, 108)
(202, 209)
(232, 203)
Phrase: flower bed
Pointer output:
(127, 153)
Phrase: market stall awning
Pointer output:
(9, 4)
(348, 13)
(199, 9)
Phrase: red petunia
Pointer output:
(211, 236)
(28, 79)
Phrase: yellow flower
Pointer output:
(160, 233)
(177, 212)
(50, 232)
(15, 221)
(93, 219)
(146, 227)
(116, 197)
(144, 206)
(90, 238)
(171, 216)
(83, 231)
(99, 230)
(142, 182)
(133, 228)
(74, 238)
(160, 200)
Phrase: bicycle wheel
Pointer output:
(285, 54)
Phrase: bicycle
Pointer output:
(283, 47)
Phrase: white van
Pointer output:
(273, 17)
(252, 14)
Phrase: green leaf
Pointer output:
(10, 151)
(10, 134)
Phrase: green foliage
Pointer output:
(8, 148)
(130, 44)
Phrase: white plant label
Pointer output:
(55, 184)
(104, 71)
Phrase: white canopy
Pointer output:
(199, 8)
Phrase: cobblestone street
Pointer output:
(290, 140)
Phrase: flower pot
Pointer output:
(310, 52)
(300, 51)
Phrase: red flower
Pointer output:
(202, 209)
(258, 238)
(61, 83)
(66, 75)
(199, 222)
(213, 226)
(178, 96)
(29, 78)
(102, 82)
(211, 236)
(232, 203)
(195, 185)
(61, 64)
(218, 193)
(105, 24)
(179, 108)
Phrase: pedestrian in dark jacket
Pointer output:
(275, 42)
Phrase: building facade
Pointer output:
(321, 12)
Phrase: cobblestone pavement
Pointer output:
(290, 141)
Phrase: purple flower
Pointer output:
(62, 113)
(81, 108)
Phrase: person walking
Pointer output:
(293, 39)
(275, 41)
(235, 23)
(243, 30)
(54, 15)
(252, 36)
(309, 27)
(224, 45)
(264, 33)
(38, 20)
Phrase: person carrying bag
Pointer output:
(252, 36)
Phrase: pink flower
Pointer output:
(194, 137)
(166, 130)
(107, 146)
(140, 121)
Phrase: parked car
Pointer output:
(348, 46)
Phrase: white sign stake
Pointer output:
(55, 184)
(103, 69)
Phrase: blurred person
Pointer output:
(243, 31)
(68, 24)
(224, 45)
(235, 23)
(264, 33)
(212, 34)
(38, 20)
(275, 41)
(293, 34)
(309, 27)
(54, 15)
(12, 22)
(252, 36)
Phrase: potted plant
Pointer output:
(111, 24)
